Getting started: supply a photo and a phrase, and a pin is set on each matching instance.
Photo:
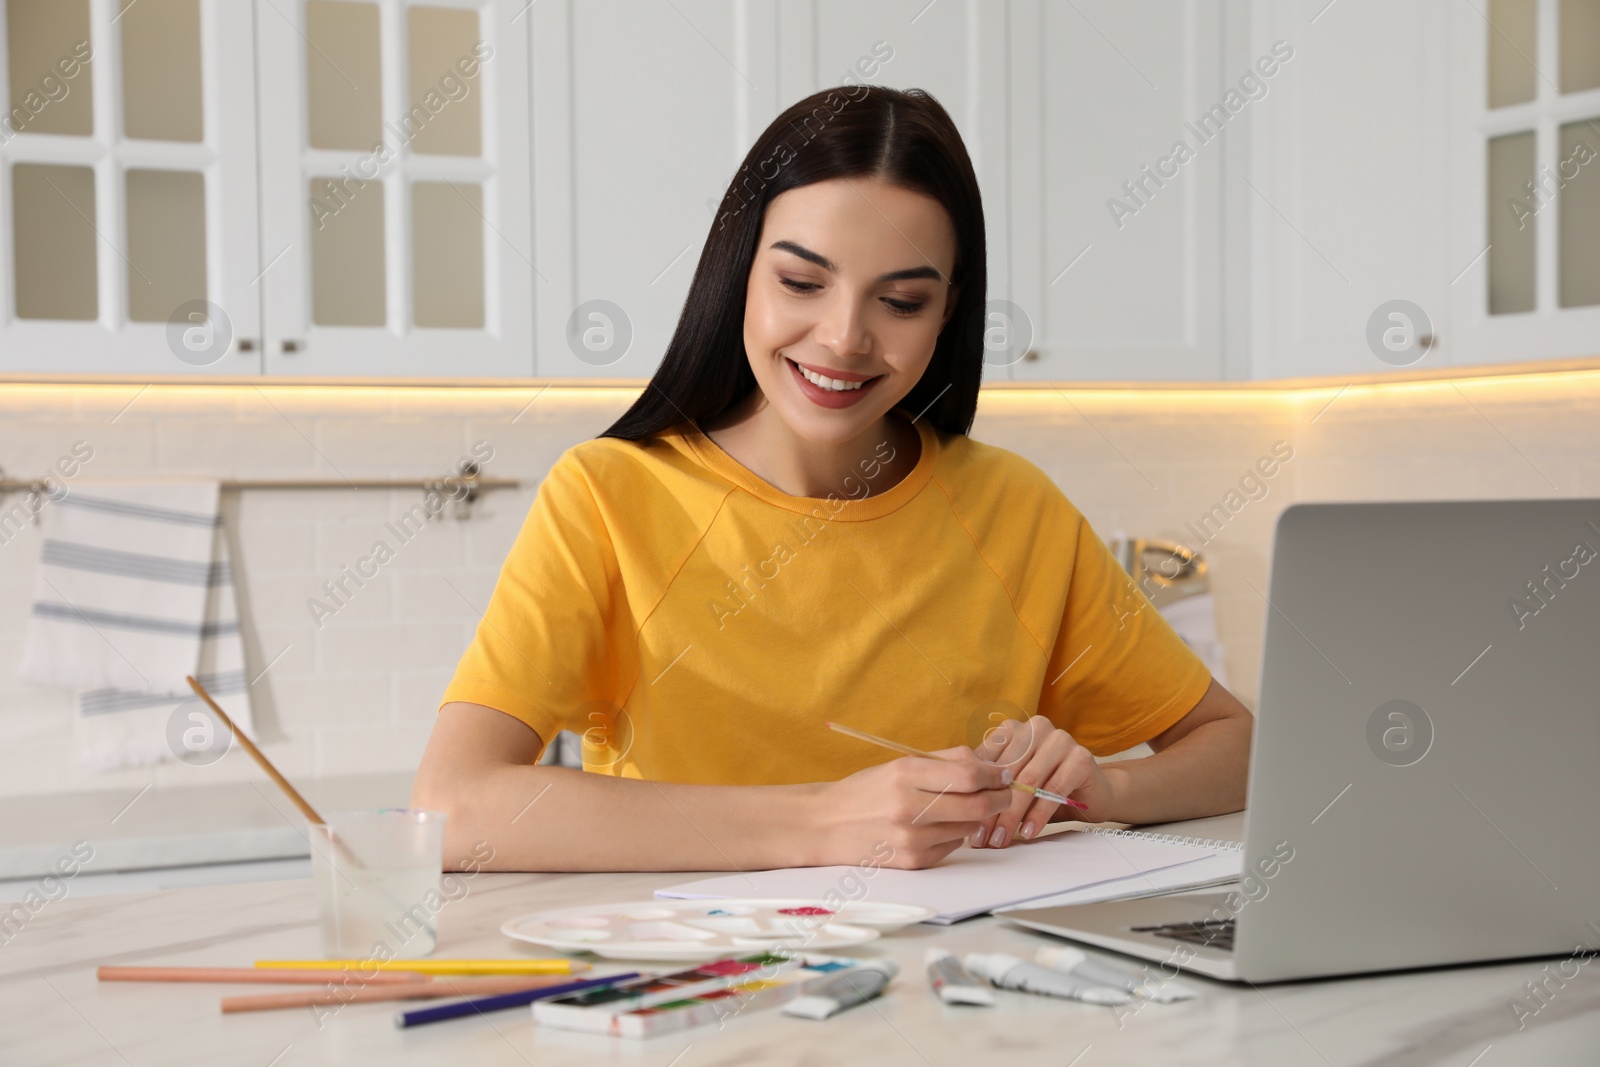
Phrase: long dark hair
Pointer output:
(903, 137)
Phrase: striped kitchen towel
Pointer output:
(134, 591)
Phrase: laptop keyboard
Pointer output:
(1215, 933)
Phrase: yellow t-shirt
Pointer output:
(695, 624)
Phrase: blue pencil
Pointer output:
(474, 1006)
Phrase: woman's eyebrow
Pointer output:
(827, 264)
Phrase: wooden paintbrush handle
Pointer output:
(272, 772)
(255, 753)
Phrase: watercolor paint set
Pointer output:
(713, 992)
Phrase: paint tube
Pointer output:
(843, 990)
(1073, 961)
(1008, 972)
(952, 982)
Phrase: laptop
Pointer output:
(1425, 770)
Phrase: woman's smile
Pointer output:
(836, 389)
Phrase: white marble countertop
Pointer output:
(138, 829)
(54, 1011)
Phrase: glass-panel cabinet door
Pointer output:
(1528, 200)
(395, 214)
(127, 187)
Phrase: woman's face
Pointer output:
(849, 282)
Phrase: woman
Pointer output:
(791, 526)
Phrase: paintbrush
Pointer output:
(272, 772)
(895, 746)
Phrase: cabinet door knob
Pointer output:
(291, 346)
(1031, 355)
(247, 344)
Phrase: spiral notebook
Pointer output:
(1224, 866)
(977, 881)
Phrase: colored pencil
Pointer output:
(433, 966)
(479, 1005)
(895, 746)
(431, 989)
(250, 974)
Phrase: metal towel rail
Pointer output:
(470, 477)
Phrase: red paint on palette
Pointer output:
(808, 910)
(720, 968)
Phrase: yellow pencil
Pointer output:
(895, 746)
(512, 966)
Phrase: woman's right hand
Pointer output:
(911, 812)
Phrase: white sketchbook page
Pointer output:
(969, 881)
(1219, 869)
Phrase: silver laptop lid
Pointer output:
(1427, 743)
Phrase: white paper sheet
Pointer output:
(969, 881)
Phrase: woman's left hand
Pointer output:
(1041, 755)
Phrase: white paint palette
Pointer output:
(706, 929)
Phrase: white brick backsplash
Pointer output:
(309, 505)
(363, 447)
(193, 446)
(267, 547)
(493, 535)
(371, 750)
(412, 539)
(360, 694)
(294, 756)
(416, 693)
(360, 648)
(1577, 474)
(123, 450)
(435, 596)
(288, 649)
(301, 704)
(283, 600)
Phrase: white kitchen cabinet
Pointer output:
(393, 188)
(128, 187)
(644, 112)
(1347, 168)
(1372, 184)
(955, 51)
(1525, 123)
(395, 211)
(635, 127)
(1116, 165)
(1173, 189)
